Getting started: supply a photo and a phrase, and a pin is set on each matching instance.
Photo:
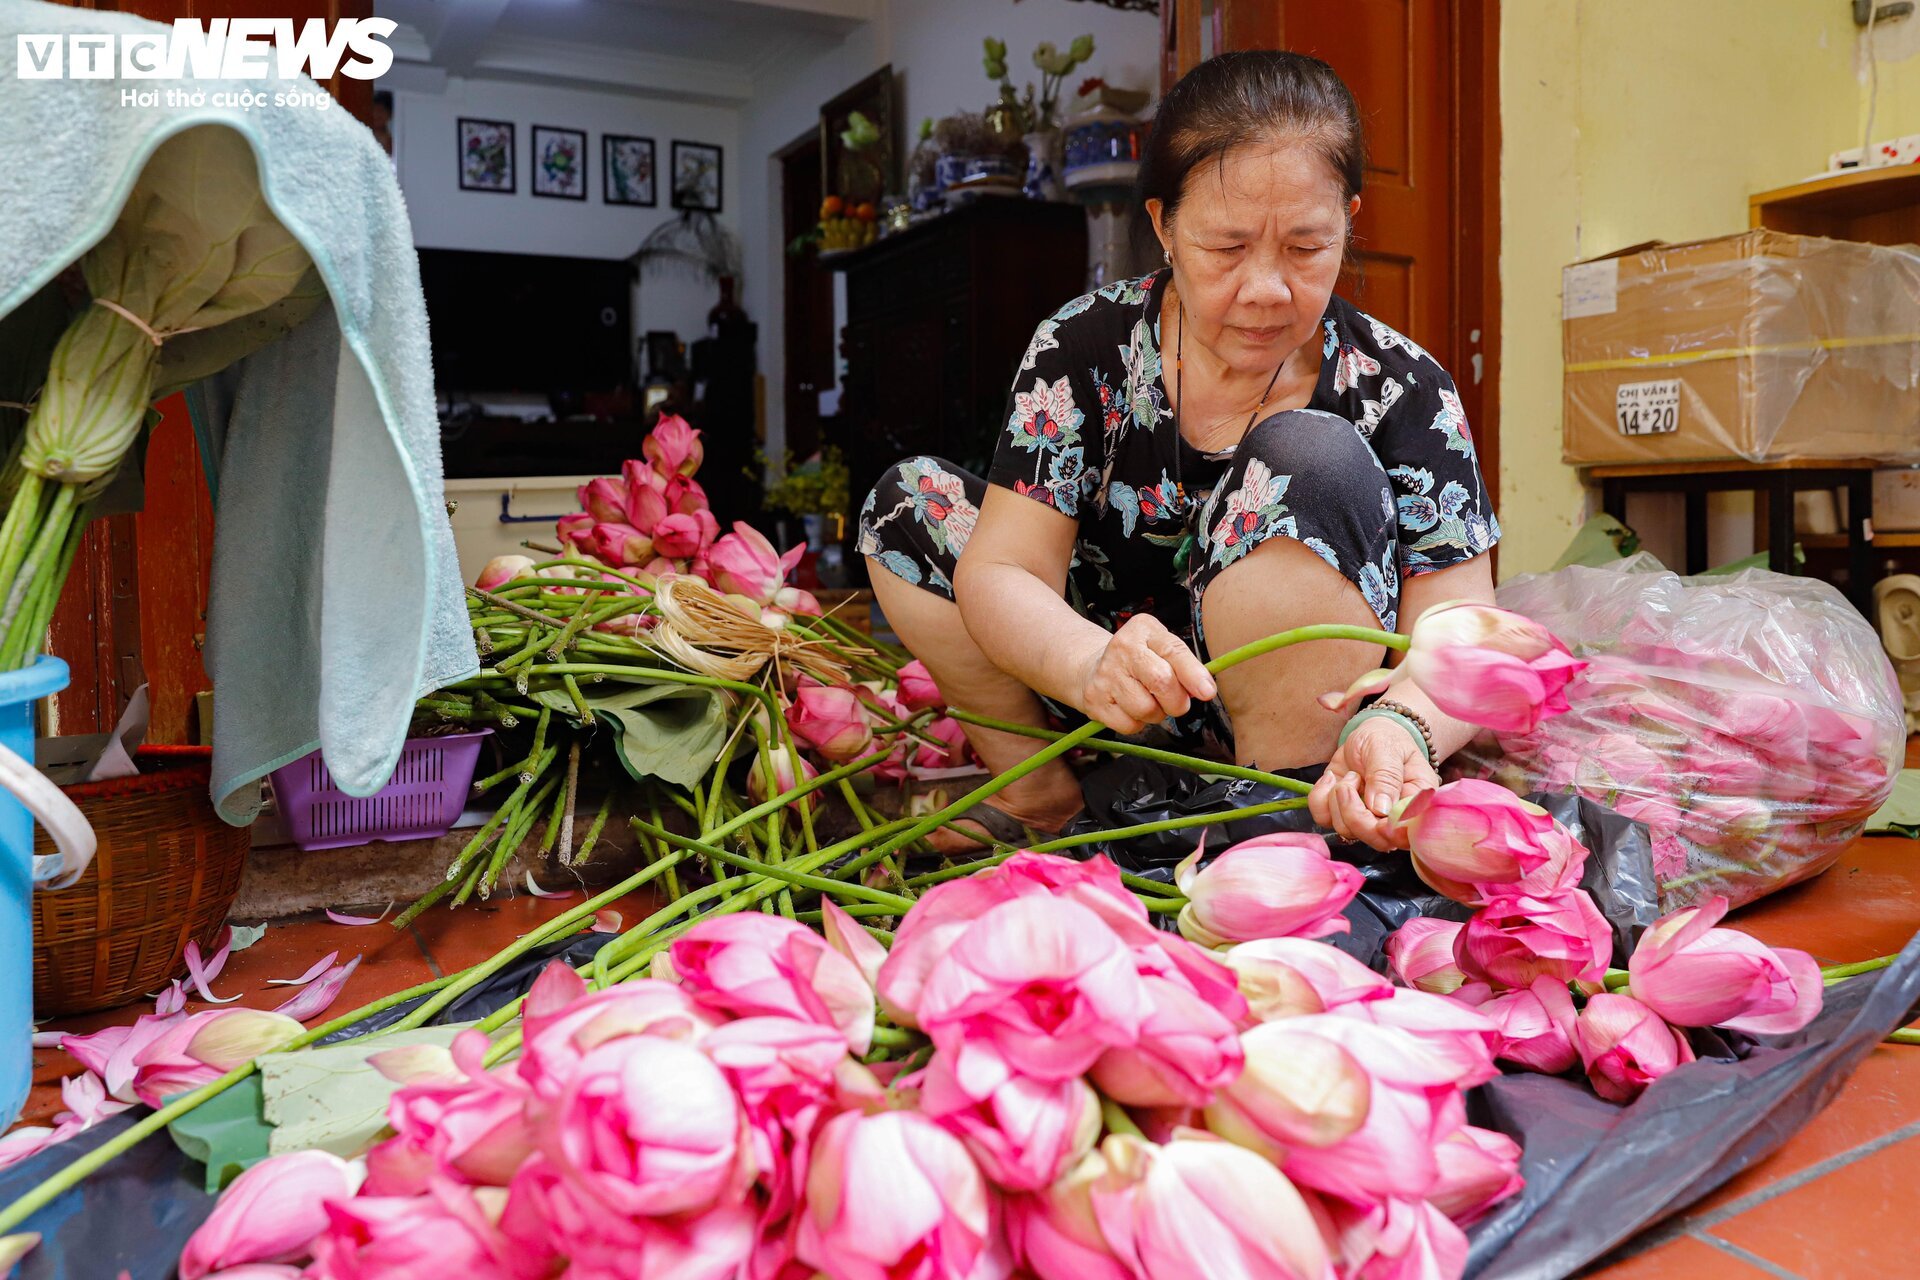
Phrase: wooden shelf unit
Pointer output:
(1877, 206)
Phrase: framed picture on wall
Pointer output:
(626, 170)
(559, 163)
(486, 155)
(696, 176)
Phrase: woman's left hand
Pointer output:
(1378, 765)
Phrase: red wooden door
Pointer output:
(135, 604)
(1427, 236)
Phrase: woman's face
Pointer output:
(1256, 248)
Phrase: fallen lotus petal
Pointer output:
(172, 1000)
(412, 1063)
(317, 998)
(845, 935)
(320, 966)
(15, 1247)
(607, 921)
(538, 892)
(204, 972)
(340, 918)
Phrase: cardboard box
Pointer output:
(1760, 346)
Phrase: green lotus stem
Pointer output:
(1194, 764)
(21, 523)
(52, 536)
(580, 702)
(1066, 742)
(516, 835)
(560, 926)
(1905, 1035)
(540, 730)
(593, 832)
(576, 624)
(897, 1038)
(1170, 824)
(1841, 972)
(820, 884)
(468, 884)
(561, 806)
(858, 910)
(31, 628)
(1163, 906)
(536, 642)
(1116, 1118)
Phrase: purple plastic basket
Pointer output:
(421, 800)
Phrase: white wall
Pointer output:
(934, 46)
(445, 217)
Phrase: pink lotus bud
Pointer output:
(201, 1048)
(1286, 977)
(1274, 886)
(620, 544)
(955, 753)
(1398, 1239)
(1196, 1188)
(605, 499)
(886, 1188)
(1669, 858)
(1187, 1049)
(1626, 1046)
(503, 569)
(745, 563)
(1695, 975)
(784, 777)
(749, 964)
(684, 496)
(646, 497)
(1056, 1232)
(452, 1231)
(1025, 1134)
(1421, 955)
(917, 689)
(1615, 762)
(1489, 666)
(271, 1213)
(844, 934)
(679, 536)
(1536, 1025)
(831, 720)
(673, 446)
(1448, 1030)
(576, 533)
(1296, 1088)
(1512, 941)
(1470, 833)
(792, 600)
(1478, 1169)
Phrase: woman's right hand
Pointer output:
(1141, 676)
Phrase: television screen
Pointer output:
(523, 322)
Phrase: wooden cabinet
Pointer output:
(937, 320)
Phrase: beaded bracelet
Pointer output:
(1405, 717)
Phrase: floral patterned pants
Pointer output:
(1301, 474)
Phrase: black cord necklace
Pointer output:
(1184, 555)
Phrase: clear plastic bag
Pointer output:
(1751, 720)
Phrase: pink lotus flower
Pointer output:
(1036, 987)
(471, 1125)
(201, 1048)
(552, 1224)
(648, 1126)
(1297, 1088)
(1536, 1024)
(451, 1231)
(1767, 723)
(673, 446)
(787, 1074)
(1471, 833)
(1615, 762)
(271, 1213)
(1187, 1049)
(951, 754)
(1480, 664)
(1274, 886)
(503, 569)
(917, 689)
(1669, 858)
(1478, 1169)
(1695, 975)
(1055, 1232)
(1515, 940)
(1420, 953)
(745, 563)
(893, 1195)
(845, 935)
(749, 964)
(1447, 1030)
(1626, 1046)
(1025, 1134)
(1413, 1103)
(605, 499)
(685, 536)
(1399, 1239)
(831, 720)
(1252, 1221)
(683, 495)
(562, 1022)
(1286, 977)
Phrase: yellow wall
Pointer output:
(1630, 120)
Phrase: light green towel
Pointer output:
(336, 591)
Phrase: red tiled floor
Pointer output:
(1683, 1259)
(458, 937)
(1852, 1223)
(1866, 905)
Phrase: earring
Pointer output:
(1166, 256)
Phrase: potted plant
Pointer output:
(1035, 115)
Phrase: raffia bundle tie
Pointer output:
(154, 337)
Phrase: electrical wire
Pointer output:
(1873, 88)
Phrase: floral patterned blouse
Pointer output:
(1091, 434)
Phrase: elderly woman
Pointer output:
(1197, 459)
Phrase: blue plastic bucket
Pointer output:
(19, 690)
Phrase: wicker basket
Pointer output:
(167, 870)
